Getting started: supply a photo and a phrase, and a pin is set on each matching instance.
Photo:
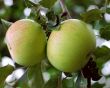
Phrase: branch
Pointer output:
(64, 8)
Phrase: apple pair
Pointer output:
(68, 48)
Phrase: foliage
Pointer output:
(50, 13)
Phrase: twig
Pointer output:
(64, 8)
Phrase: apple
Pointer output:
(70, 47)
(26, 42)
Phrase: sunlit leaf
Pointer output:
(45, 65)
(22, 82)
(91, 15)
(52, 83)
(4, 72)
(35, 78)
(54, 79)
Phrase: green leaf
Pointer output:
(22, 82)
(3, 28)
(68, 74)
(47, 3)
(53, 72)
(54, 80)
(50, 75)
(108, 10)
(45, 65)
(105, 32)
(5, 24)
(81, 82)
(4, 72)
(68, 82)
(91, 15)
(41, 19)
(51, 15)
(53, 19)
(35, 78)
(102, 55)
(101, 51)
(97, 85)
(52, 83)
(57, 8)
(71, 82)
(29, 3)
(97, 25)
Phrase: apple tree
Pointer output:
(55, 43)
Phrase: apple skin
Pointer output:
(70, 46)
(26, 42)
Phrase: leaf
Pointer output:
(35, 78)
(68, 82)
(54, 78)
(22, 82)
(78, 80)
(101, 51)
(91, 15)
(6, 24)
(47, 3)
(57, 8)
(3, 28)
(105, 32)
(97, 85)
(45, 65)
(102, 55)
(31, 4)
(4, 72)
(108, 10)
(68, 74)
(41, 19)
(81, 81)
(97, 25)
(51, 15)
(53, 20)
(105, 9)
(53, 83)
(53, 72)
(50, 75)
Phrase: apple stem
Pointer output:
(64, 8)
(89, 83)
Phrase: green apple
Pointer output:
(70, 46)
(26, 42)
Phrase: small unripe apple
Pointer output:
(26, 42)
(69, 47)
